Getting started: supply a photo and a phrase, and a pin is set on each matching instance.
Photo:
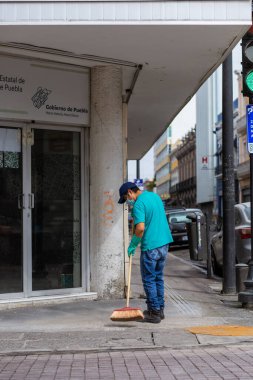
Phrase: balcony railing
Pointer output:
(243, 169)
(188, 184)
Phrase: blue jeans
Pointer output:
(152, 263)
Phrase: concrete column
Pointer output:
(106, 175)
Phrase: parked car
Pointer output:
(242, 239)
(177, 219)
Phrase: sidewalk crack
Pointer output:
(153, 338)
(197, 339)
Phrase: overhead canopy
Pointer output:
(176, 58)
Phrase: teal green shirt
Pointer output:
(149, 209)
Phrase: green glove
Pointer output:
(133, 245)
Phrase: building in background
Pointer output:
(205, 144)
(195, 163)
(162, 164)
(174, 175)
(243, 167)
(209, 141)
(218, 198)
(185, 190)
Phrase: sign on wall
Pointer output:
(204, 163)
(249, 117)
(33, 90)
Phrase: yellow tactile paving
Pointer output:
(222, 330)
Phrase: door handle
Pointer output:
(21, 201)
(31, 200)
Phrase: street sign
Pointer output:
(249, 115)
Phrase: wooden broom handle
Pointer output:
(129, 279)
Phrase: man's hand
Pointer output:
(133, 245)
(131, 251)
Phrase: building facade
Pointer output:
(218, 167)
(185, 190)
(243, 164)
(51, 173)
(174, 200)
(205, 144)
(243, 168)
(84, 86)
(162, 151)
(209, 140)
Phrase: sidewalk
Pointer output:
(199, 363)
(77, 327)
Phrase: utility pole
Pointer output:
(228, 181)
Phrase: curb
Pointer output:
(121, 349)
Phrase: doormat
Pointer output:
(222, 330)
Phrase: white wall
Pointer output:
(204, 143)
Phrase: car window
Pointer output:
(178, 217)
(247, 212)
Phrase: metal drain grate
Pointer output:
(185, 307)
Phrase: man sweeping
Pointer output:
(151, 229)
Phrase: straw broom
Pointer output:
(127, 313)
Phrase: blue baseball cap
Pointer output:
(123, 191)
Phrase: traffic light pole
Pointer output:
(228, 181)
(246, 298)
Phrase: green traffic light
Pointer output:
(249, 80)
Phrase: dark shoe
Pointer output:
(145, 313)
(162, 316)
(152, 316)
(162, 313)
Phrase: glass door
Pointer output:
(40, 211)
(11, 211)
(55, 201)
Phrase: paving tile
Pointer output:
(198, 364)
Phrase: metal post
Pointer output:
(246, 298)
(208, 248)
(229, 280)
(138, 169)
